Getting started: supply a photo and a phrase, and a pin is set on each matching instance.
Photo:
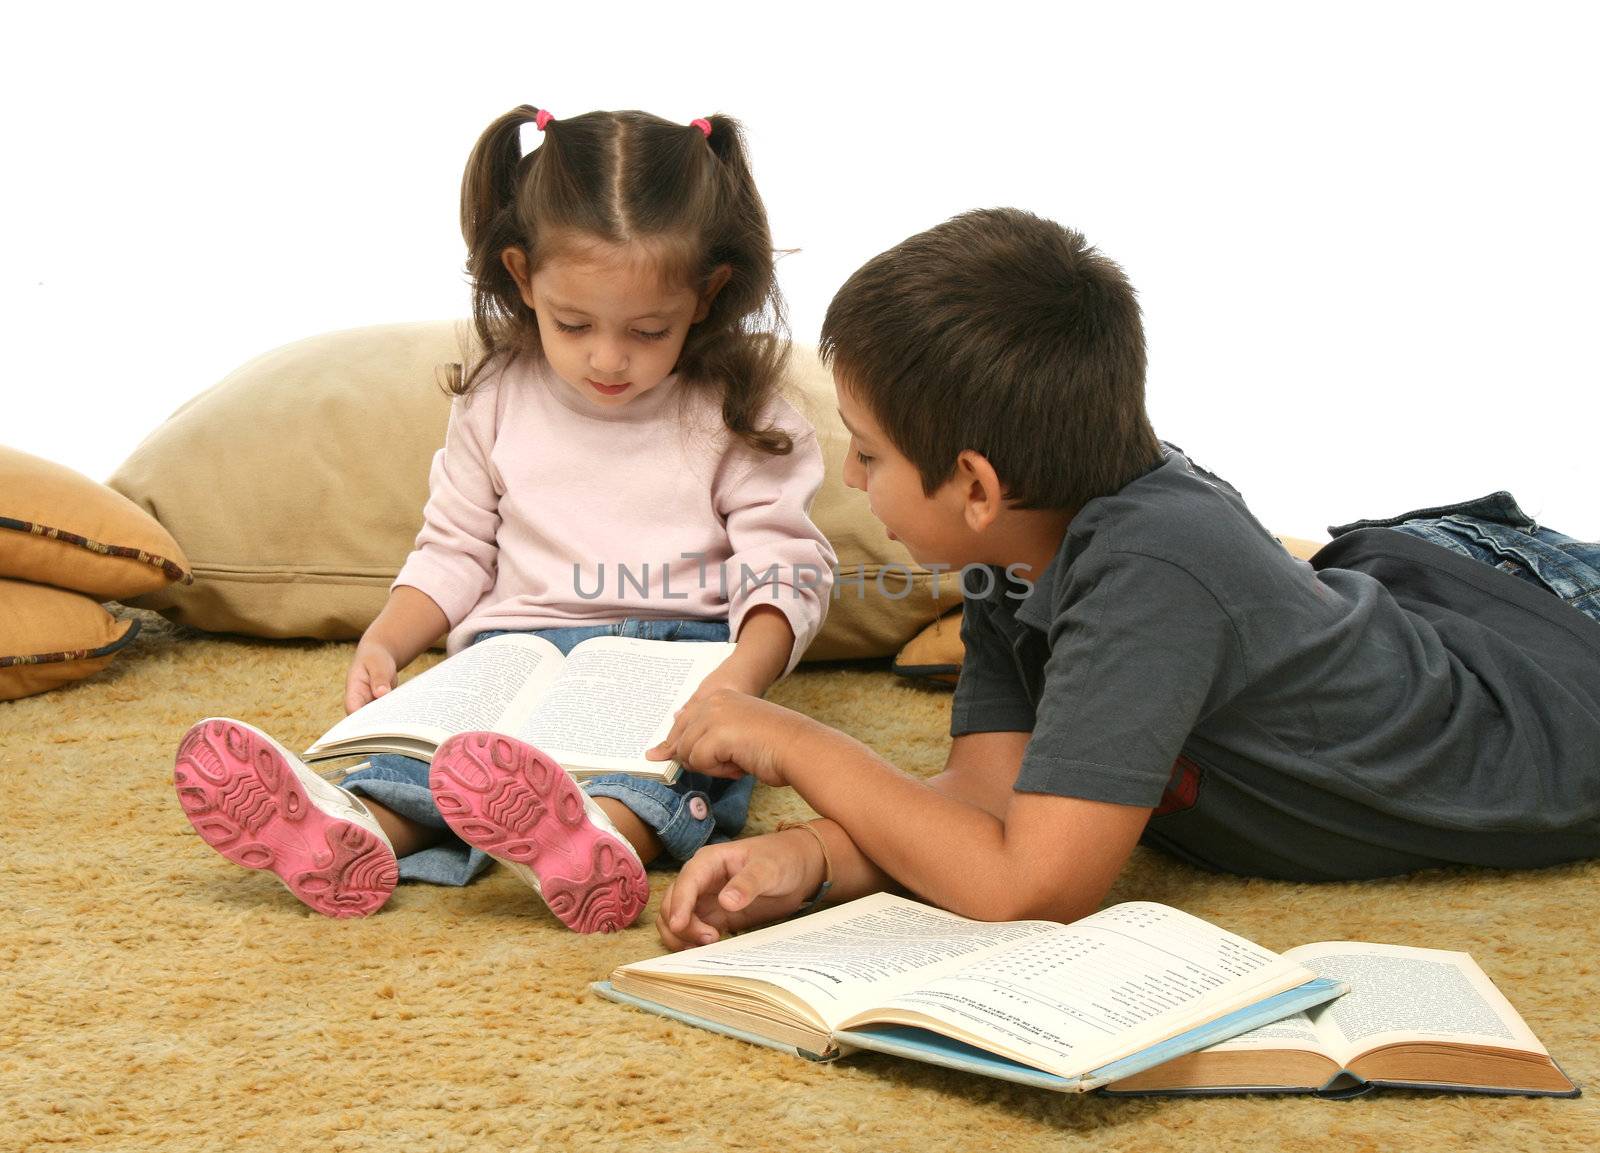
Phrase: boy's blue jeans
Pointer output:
(1494, 530)
(692, 811)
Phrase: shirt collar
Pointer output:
(1038, 608)
(641, 409)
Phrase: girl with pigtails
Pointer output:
(624, 412)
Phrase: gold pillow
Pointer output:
(935, 653)
(49, 636)
(297, 486)
(60, 528)
(1300, 548)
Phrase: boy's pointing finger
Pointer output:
(669, 743)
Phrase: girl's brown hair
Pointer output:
(626, 178)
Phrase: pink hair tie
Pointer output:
(541, 118)
(703, 125)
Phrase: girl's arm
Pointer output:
(781, 565)
(456, 553)
(759, 658)
(409, 623)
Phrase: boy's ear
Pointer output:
(715, 283)
(983, 496)
(516, 262)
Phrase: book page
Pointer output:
(615, 699)
(474, 689)
(1296, 1032)
(1400, 994)
(1089, 993)
(840, 958)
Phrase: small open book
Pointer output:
(595, 710)
(1065, 1007)
(1418, 1018)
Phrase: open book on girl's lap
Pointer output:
(1065, 1007)
(595, 710)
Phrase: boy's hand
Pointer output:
(738, 885)
(728, 734)
(371, 674)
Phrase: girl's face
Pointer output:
(610, 328)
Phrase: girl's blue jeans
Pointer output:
(1494, 530)
(692, 811)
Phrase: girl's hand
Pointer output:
(738, 885)
(733, 676)
(728, 734)
(371, 674)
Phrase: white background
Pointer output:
(1364, 235)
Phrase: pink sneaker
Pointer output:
(524, 810)
(258, 805)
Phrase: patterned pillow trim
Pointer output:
(72, 654)
(173, 571)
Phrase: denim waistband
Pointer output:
(1497, 507)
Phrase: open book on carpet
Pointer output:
(1065, 1007)
(1414, 1018)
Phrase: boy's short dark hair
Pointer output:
(1008, 334)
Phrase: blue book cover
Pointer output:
(937, 1049)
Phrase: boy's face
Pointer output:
(932, 527)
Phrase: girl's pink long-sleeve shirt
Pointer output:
(548, 510)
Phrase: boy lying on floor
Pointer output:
(1143, 660)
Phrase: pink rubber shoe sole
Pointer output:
(516, 804)
(248, 803)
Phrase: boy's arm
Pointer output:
(980, 770)
(963, 840)
(1047, 856)
(739, 884)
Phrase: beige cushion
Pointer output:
(1301, 548)
(49, 636)
(296, 486)
(60, 528)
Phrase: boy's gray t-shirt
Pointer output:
(1395, 707)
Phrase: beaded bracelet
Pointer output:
(827, 864)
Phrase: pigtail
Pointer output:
(745, 343)
(726, 140)
(490, 180)
(489, 225)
